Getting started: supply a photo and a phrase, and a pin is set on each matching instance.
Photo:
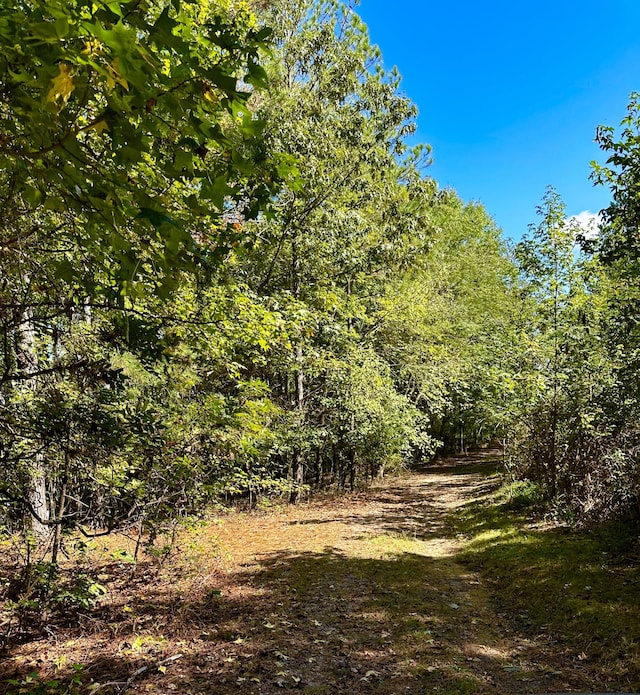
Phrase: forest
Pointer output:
(227, 279)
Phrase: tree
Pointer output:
(127, 136)
(445, 325)
(618, 243)
(562, 415)
(548, 264)
(336, 236)
(129, 155)
(615, 483)
(619, 239)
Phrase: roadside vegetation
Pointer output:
(577, 589)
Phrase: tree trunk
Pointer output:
(38, 515)
(352, 468)
(298, 452)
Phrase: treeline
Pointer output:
(225, 274)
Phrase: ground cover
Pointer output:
(579, 592)
(429, 583)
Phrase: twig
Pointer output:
(125, 685)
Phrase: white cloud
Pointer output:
(588, 223)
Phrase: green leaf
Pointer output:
(65, 271)
(164, 24)
(257, 76)
(227, 83)
(156, 217)
(44, 30)
(216, 190)
(114, 6)
(252, 127)
(32, 196)
(264, 33)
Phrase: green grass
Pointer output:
(580, 589)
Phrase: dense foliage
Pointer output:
(164, 345)
(224, 274)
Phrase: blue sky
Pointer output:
(510, 93)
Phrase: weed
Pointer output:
(41, 589)
(523, 494)
(34, 684)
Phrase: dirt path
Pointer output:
(359, 595)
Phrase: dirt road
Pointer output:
(364, 594)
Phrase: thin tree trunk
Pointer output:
(62, 501)
(298, 453)
(352, 468)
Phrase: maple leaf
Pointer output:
(114, 75)
(62, 85)
(100, 126)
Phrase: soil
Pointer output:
(360, 594)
